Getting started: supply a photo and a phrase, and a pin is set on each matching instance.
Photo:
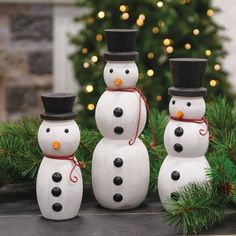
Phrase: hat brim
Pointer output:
(187, 92)
(120, 56)
(54, 116)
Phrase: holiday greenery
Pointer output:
(200, 207)
(167, 29)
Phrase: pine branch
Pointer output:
(198, 208)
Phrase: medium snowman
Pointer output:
(186, 136)
(120, 165)
(59, 182)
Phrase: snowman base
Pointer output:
(67, 219)
(120, 174)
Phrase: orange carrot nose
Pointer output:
(118, 81)
(56, 145)
(179, 114)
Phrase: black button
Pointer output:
(118, 112)
(179, 131)
(175, 175)
(117, 180)
(56, 177)
(118, 162)
(178, 147)
(57, 207)
(118, 130)
(117, 197)
(175, 196)
(56, 191)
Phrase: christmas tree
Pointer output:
(167, 29)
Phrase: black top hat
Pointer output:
(188, 77)
(120, 45)
(58, 106)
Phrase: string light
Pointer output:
(125, 16)
(94, 59)
(161, 24)
(169, 49)
(86, 65)
(150, 72)
(139, 22)
(89, 88)
(99, 37)
(90, 107)
(90, 20)
(217, 67)
(167, 42)
(101, 14)
(196, 31)
(84, 50)
(208, 52)
(150, 55)
(123, 8)
(187, 46)
(158, 97)
(142, 17)
(213, 83)
(155, 30)
(210, 12)
(160, 4)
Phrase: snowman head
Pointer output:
(120, 74)
(59, 138)
(187, 107)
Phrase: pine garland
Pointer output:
(199, 207)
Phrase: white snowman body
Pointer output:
(120, 171)
(186, 148)
(59, 198)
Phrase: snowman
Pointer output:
(59, 184)
(186, 136)
(120, 165)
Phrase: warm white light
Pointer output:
(123, 8)
(150, 72)
(167, 42)
(99, 37)
(217, 67)
(89, 88)
(210, 12)
(213, 83)
(208, 52)
(158, 98)
(139, 22)
(125, 16)
(150, 55)
(94, 59)
(160, 4)
(101, 14)
(90, 107)
(169, 49)
(187, 46)
(84, 50)
(196, 31)
(86, 65)
(155, 30)
(141, 17)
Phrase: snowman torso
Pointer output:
(120, 173)
(58, 197)
(177, 172)
(117, 114)
(183, 139)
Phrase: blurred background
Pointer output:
(57, 45)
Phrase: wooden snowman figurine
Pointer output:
(120, 165)
(186, 136)
(59, 182)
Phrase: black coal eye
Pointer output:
(66, 131)
(111, 70)
(47, 130)
(189, 104)
(173, 102)
(127, 71)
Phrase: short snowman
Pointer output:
(186, 136)
(120, 165)
(59, 182)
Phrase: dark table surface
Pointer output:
(20, 216)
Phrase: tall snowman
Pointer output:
(186, 136)
(120, 165)
(59, 182)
